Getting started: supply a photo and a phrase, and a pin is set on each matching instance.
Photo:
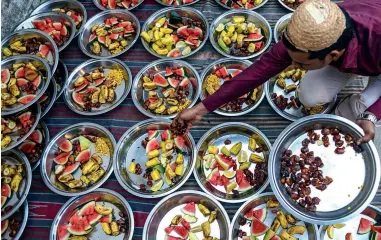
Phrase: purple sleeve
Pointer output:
(376, 109)
(270, 64)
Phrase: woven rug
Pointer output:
(44, 204)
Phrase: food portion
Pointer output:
(172, 35)
(219, 76)
(75, 15)
(177, 2)
(168, 92)
(240, 37)
(294, 4)
(12, 176)
(118, 4)
(245, 4)
(97, 88)
(46, 98)
(93, 217)
(113, 36)
(367, 228)
(34, 146)
(10, 228)
(58, 30)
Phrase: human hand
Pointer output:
(190, 116)
(369, 130)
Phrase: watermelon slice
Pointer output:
(375, 236)
(180, 143)
(36, 136)
(213, 176)
(364, 226)
(4, 226)
(3, 200)
(160, 81)
(62, 232)
(83, 156)
(169, 229)
(259, 214)
(166, 135)
(244, 185)
(152, 145)
(376, 228)
(5, 75)
(258, 228)
(6, 190)
(189, 209)
(168, 71)
(152, 134)
(70, 169)
(106, 219)
(87, 209)
(236, 72)
(19, 73)
(185, 224)
(181, 231)
(62, 158)
(93, 218)
(224, 161)
(66, 146)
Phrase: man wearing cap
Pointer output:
(336, 43)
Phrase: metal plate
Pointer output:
(235, 132)
(291, 114)
(121, 91)
(371, 213)
(26, 34)
(129, 147)
(20, 215)
(185, 12)
(51, 92)
(83, 38)
(36, 113)
(259, 202)
(161, 215)
(254, 8)
(60, 76)
(285, 5)
(56, 17)
(110, 199)
(48, 6)
(43, 70)
(47, 164)
(249, 16)
(342, 207)
(231, 65)
(96, 3)
(139, 95)
(17, 199)
(280, 26)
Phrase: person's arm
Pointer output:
(270, 64)
(368, 126)
(375, 109)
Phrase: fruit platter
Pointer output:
(16, 177)
(13, 226)
(232, 162)
(35, 144)
(281, 93)
(241, 4)
(187, 215)
(365, 226)
(151, 161)
(33, 42)
(280, 26)
(60, 76)
(175, 32)
(220, 71)
(117, 4)
(48, 98)
(177, 3)
(78, 159)
(17, 127)
(291, 4)
(165, 87)
(109, 34)
(264, 218)
(59, 26)
(240, 34)
(306, 166)
(72, 8)
(97, 86)
(23, 81)
(101, 214)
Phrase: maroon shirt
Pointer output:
(362, 56)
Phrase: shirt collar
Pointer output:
(350, 56)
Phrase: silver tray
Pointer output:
(52, 91)
(111, 199)
(55, 16)
(48, 6)
(371, 213)
(36, 113)
(280, 26)
(121, 91)
(31, 33)
(83, 38)
(44, 70)
(139, 95)
(162, 214)
(188, 12)
(129, 147)
(17, 199)
(235, 132)
(96, 3)
(61, 79)
(47, 164)
(259, 202)
(20, 215)
(249, 16)
(285, 5)
(254, 8)
(351, 198)
(231, 65)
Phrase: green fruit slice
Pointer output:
(181, 44)
(157, 186)
(229, 174)
(186, 50)
(220, 27)
(243, 157)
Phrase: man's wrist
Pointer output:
(201, 109)
(367, 116)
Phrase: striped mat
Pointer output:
(44, 204)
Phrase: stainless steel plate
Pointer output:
(43, 70)
(130, 147)
(110, 199)
(350, 197)
(371, 213)
(83, 38)
(55, 16)
(235, 132)
(74, 131)
(121, 91)
(280, 26)
(26, 34)
(231, 65)
(97, 3)
(161, 215)
(249, 16)
(51, 92)
(254, 8)
(16, 140)
(285, 5)
(48, 6)
(20, 215)
(17, 199)
(185, 12)
(139, 95)
(259, 202)
(60, 76)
